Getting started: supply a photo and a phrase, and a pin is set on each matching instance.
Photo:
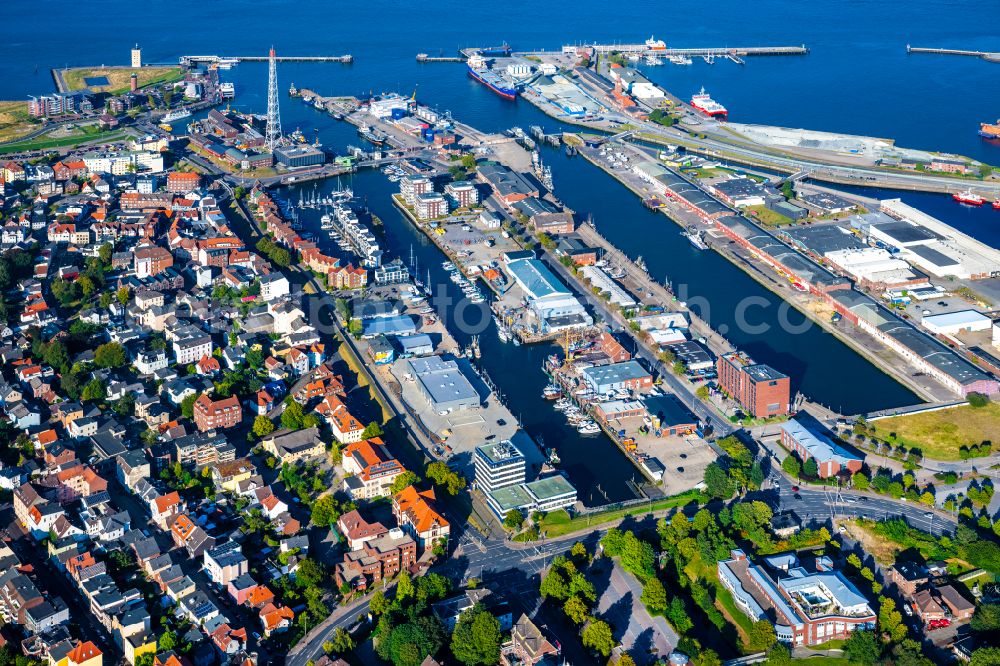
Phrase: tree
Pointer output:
(987, 618)
(122, 296)
(340, 643)
(403, 481)
(373, 429)
(105, 252)
(110, 355)
(678, 616)
(325, 511)
(977, 400)
(860, 481)
(513, 520)
(404, 587)
(717, 483)
(94, 391)
(985, 656)
(778, 655)
(262, 426)
(378, 603)
(791, 466)
(654, 595)
(476, 639)
(762, 635)
(187, 406)
(554, 585)
(890, 621)
(809, 468)
(598, 637)
(576, 610)
(292, 416)
(442, 475)
(167, 641)
(579, 551)
(863, 647)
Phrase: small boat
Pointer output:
(562, 404)
(996, 204)
(553, 456)
(641, 264)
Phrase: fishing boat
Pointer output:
(553, 456)
(641, 264)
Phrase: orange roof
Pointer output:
(372, 451)
(418, 508)
(83, 652)
(270, 502)
(271, 616)
(260, 595)
(183, 527)
(46, 437)
(165, 502)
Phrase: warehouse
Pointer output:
(630, 375)
(301, 155)
(876, 268)
(951, 323)
(552, 303)
(442, 384)
(615, 294)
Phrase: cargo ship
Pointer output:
(704, 103)
(492, 80)
(968, 198)
(988, 131)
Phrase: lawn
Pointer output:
(940, 434)
(118, 77)
(559, 523)
(15, 121)
(768, 217)
(77, 137)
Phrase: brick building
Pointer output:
(212, 414)
(761, 390)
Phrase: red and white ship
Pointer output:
(704, 103)
(969, 198)
(996, 204)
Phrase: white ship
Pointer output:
(179, 114)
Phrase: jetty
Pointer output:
(717, 51)
(423, 57)
(991, 56)
(230, 60)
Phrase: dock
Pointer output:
(423, 57)
(991, 56)
(718, 51)
(231, 60)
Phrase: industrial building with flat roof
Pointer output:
(935, 358)
(442, 383)
(299, 155)
(553, 304)
(951, 323)
(629, 375)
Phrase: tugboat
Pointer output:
(969, 198)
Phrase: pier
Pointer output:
(722, 52)
(985, 55)
(423, 57)
(224, 61)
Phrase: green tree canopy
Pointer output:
(476, 639)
